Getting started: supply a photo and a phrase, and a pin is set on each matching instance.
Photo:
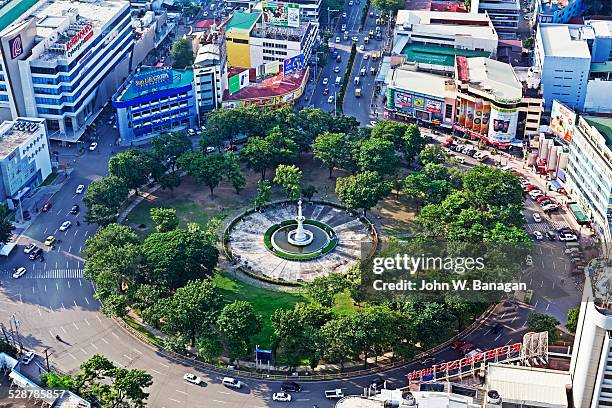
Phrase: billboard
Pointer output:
(237, 82)
(281, 14)
(16, 46)
(293, 64)
(433, 106)
(271, 68)
(76, 42)
(152, 79)
(403, 100)
(503, 124)
(562, 121)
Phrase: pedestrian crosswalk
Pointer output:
(544, 226)
(75, 273)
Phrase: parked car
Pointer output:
(343, 28)
(529, 260)
(534, 194)
(378, 383)
(19, 272)
(334, 394)
(330, 99)
(29, 248)
(46, 207)
(28, 357)
(291, 386)
(457, 344)
(550, 207)
(565, 230)
(336, 69)
(192, 378)
(337, 40)
(427, 360)
(570, 251)
(325, 81)
(50, 240)
(540, 199)
(537, 217)
(531, 187)
(466, 348)
(26, 215)
(567, 237)
(538, 235)
(281, 396)
(231, 382)
(551, 235)
(65, 225)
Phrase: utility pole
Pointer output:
(17, 323)
(47, 358)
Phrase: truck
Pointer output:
(334, 394)
(371, 34)
(357, 92)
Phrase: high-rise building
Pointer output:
(310, 10)
(504, 14)
(62, 60)
(207, 78)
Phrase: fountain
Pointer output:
(300, 236)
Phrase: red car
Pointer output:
(230, 148)
(542, 198)
(46, 207)
(530, 187)
(466, 348)
(326, 91)
(457, 344)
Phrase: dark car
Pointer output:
(291, 386)
(497, 328)
(457, 344)
(427, 360)
(75, 209)
(551, 235)
(26, 215)
(35, 254)
(378, 383)
(46, 207)
(565, 230)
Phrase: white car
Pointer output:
(210, 149)
(191, 132)
(355, 39)
(80, 189)
(337, 40)
(28, 357)
(330, 99)
(205, 14)
(351, 3)
(93, 146)
(372, 123)
(550, 207)
(538, 235)
(325, 81)
(537, 217)
(344, 15)
(231, 382)
(19, 272)
(65, 226)
(534, 194)
(343, 27)
(529, 260)
(192, 378)
(568, 237)
(569, 251)
(31, 247)
(361, 47)
(281, 396)
(366, 56)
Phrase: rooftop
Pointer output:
(440, 17)
(405, 399)
(445, 24)
(15, 133)
(242, 21)
(12, 10)
(601, 67)
(557, 41)
(416, 81)
(603, 28)
(277, 85)
(206, 54)
(204, 23)
(178, 78)
(603, 126)
(520, 385)
(433, 54)
(498, 77)
(550, 6)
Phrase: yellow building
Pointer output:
(237, 35)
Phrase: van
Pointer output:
(356, 80)
(362, 72)
(572, 245)
(231, 382)
(338, 81)
(366, 40)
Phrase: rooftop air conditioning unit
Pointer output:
(493, 397)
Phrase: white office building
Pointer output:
(62, 60)
(208, 78)
(24, 158)
(504, 14)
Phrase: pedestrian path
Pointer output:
(75, 273)
(544, 226)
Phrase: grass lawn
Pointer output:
(188, 211)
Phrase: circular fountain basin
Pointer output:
(282, 239)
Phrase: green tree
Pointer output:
(388, 6)
(103, 199)
(132, 166)
(540, 322)
(429, 186)
(56, 380)
(413, 142)
(257, 154)
(284, 149)
(168, 147)
(6, 231)
(390, 131)
(378, 155)
(362, 190)
(431, 321)
(238, 323)
(333, 149)
(191, 310)
(311, 122)
(289, 178)
(572, 319)
(170, 181)
(309, 191)
(233, 173)
(181, 54)
(432, 154)
(324, 289)
(467, 4)
(175, 257)
(205, 168)
(488, 186)
(506, 233)
(209, 347)
(264, 194)
(165, 219)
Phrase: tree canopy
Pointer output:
(363, 190)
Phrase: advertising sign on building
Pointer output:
(503, 124)
(151, 79)
(76, 42)
(476, 126)
(562, 121)
(433, 106)
(418, 102)
(237, 82)
(403, 100)
(281, 14)
(271, 68)
(293, 64)
(16, 46)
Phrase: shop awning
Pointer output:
(556, 185)
(578, 214)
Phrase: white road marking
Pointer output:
(51, 334)
(63, 307)
(56, 285)
(177, 401)
(94, 346)
(80, 283)
(220, 402)
(138, 351)
(86, 321)
(181, 392)
(75, 325)
(114, 334)
(32, 289)
(302, 399)
(224, 392)
(498, 336)
(75, 304)
(59, 211)
(73, 357)
(155, 371)
(83, 350)
(547, 306)
(64, 330)
(104, 340)
(39, 312)
(128, 357)
(165, 365)
(98, 317)
(45, 288)
(68, 282)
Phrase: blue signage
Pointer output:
(151, 79)
(293, 64)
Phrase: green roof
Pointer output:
(13, 10)
(242, 21)
(580, 217)
(432, 54)
(179, 78)
(601, 66)
(603, 125)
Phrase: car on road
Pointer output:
(65, 225)
(50, 240)
(46, 207)
(80, 189)
(529, 260)
(210, 149)
(281, 396)
(337, 40)
(93, 146)
(326, 91)
(330, 99)
(334, 394)
(192, 378)
(526, 18)
(355, 39)
(361, 47)
(191, 132)
(537, 217)
(474, 352)
(567, 238)
(378, 383)
(350, 3)
(565, 230)
(344, 15)
(29, 248)
(538, 235)
(366, 56)
(231, 382)
(466, 348)
(75, 209)
(325, 81)
(26, 215)
(550, 207)
(497, 328)
(35, 254)
(343, 27)
(427, 360)
(371, 14)
(457, 344)
(205, 14)
(28, 357)
(291, 386)
(531, 187)
(336, 69)
(551, 235)
(19, 272)
(534, 194)
(569, 251)
(372, 123)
